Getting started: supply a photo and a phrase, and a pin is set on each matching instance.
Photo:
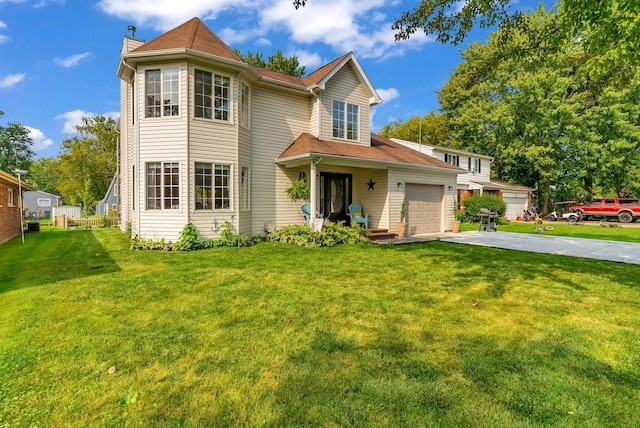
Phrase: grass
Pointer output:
(561, 228)
(433, 334)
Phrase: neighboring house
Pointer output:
(40, 203)
(10, 216)
(207, 138)
(109, 203)
(478, 176)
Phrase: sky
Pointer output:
(58, 58)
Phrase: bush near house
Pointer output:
(473, 204)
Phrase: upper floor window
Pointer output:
(345, 120)
(212, 94)
(244, 106)
(163, 185)
(477, 165)
(162, 92)
(452, 159)
(44, 202)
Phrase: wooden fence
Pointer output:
(65, 222)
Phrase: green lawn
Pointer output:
(562, 228)
(433, 334)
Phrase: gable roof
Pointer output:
(194, 35)
(381, 150)
(418, 146)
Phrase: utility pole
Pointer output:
(18, 172)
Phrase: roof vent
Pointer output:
(132, 29)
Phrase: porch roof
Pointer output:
(9, 180)
(381, 151)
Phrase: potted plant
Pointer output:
(402, 226)
(299, 190)
(455, 223)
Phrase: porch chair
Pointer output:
(306, 213)
(356, 215)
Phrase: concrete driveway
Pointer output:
(623, 252)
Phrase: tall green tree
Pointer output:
(276, 62)
(44, 175)
(15, 147)
(430, 129)
(87, 162)
(546, 121)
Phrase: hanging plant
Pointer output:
(299, 190)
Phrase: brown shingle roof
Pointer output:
(381, 149)
(194, 35)
(322, 72)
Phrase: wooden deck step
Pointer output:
(381, 234)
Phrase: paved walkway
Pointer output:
(622, 252)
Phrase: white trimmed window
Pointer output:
(244, 106)
(44, 202)
(10, 200)
(212, 94)
(212, 186)
(163, 185)
(162, 92)
(452, 159)
(244, 188)
(345, 120)
(477, 165)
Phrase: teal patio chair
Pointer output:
(356, 215)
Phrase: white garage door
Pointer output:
(515, 207)
(424, 208)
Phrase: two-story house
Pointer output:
(477, 176)
(207, 138)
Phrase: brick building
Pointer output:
(10, 206)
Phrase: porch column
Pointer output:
(312, 185)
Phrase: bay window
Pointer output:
(163, 185)
(162, 92)
(212, 95)
(212, 186)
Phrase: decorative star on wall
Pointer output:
(371, 183)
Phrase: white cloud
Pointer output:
(310, 60)
(360, 26)
(163, 14)
(2, 24)
(40, 142)
(11, 80)
(388, 94)
(3, 39)
(71, 61)
(73, 118)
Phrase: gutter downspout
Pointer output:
(313, 183)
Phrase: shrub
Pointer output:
(473, 204)
(332, 234)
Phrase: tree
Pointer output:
(276, 62)
(87, 163)
(430, 129)
(547, 123)
(44, 175)
(15, 147)
(609, 30)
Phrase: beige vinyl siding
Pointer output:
(162, 139)
(404, 176)
(215, 142)
(278, 118)
(345, 86)
(244, 158)
(314, 106)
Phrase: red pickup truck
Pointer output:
(626, 209)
